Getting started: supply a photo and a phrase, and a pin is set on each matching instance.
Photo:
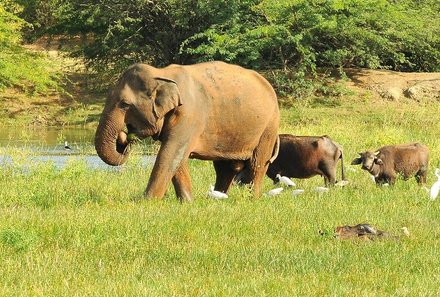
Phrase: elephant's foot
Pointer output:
(183, 195)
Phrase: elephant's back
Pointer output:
(239, 102)
(234, 83)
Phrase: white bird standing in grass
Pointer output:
(321, 189)
(285, 180)
(275, 191)
(433, 193)
(297, 192)
(216, 194)
(406, 231)
(342, 183)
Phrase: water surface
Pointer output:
(47, 144)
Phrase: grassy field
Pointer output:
(81, 232)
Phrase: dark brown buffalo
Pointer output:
(389, 161)
(307, 156)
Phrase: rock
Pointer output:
(392, 93)
(422, 90)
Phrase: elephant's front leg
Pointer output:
(168, 161)
(182, 182)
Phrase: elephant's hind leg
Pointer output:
(225, 172)
(259, 162)
(182, 182)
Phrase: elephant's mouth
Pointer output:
(122, 143)
(129, 136)
(125, 140)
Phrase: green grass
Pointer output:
(81, 232)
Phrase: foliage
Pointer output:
(78, 231)
(115, 34)
(401, 35)
(295, 36)
(18, 66)
(373, 34)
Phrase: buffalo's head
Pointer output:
(369, 161)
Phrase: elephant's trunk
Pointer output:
(110, 140)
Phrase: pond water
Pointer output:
(47, 144)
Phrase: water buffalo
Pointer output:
(307, 156)
(389, 161)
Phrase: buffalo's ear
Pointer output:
(378, 161)
(356, 161)
(166, 97)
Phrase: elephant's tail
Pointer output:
(276, 150)
(342, 166)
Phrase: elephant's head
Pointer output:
(137, 104)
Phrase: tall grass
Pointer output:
(82, 232)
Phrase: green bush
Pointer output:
(400, 35)
(293, 85)
(260, 34)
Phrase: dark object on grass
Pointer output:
(361, 231)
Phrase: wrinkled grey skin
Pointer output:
(389, 161)
(210, 111)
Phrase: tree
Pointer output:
(261, 34)
(402, 35)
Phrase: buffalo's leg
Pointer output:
(182, 182)
(225, 173)
(329, 172)
(392, 179)
(421, 176)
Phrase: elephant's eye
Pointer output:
(124, 105)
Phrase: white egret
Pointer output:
(297, 192)
(406, 231)
(321, 189)
(342, 183)
(285, 180)
(275, 191)
(433, 193)
(216, 194)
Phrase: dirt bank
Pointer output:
(83, 106)
(391, 85)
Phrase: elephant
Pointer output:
(210, 111)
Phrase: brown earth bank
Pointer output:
(81, 105)
(391, 85)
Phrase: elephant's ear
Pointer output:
(167, 97)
